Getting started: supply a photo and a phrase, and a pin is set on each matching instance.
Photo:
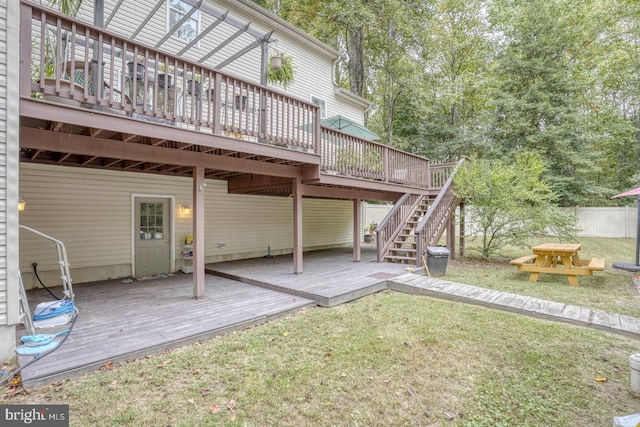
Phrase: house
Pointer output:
(131, 129)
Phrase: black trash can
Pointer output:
(437, 260)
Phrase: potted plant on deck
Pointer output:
(369, 232)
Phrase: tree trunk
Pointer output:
(355, 49)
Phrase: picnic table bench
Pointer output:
(558, 258)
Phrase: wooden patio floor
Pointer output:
(119, 321)
(329, 277)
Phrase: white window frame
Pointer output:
(195, 17)
(320, 102)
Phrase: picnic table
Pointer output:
(558, 258)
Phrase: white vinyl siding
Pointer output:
(90, 211)
(3, 163)
(9, 142)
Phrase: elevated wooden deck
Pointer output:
(257, 138)
(119, 321)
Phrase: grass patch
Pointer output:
(387, 359)
(611, 290)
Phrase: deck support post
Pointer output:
(451, 235)
(462, 229)
(357, 225)
(198, 232)
(297, 226)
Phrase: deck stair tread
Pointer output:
(404, 241)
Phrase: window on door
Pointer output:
(151, 219)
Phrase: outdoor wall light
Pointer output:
(22, 204)
(185, 209)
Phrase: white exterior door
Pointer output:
(152, 241)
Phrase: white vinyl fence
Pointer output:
(607, 222)
(595, 222)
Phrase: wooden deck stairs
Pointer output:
(415, 223)
(402, 248)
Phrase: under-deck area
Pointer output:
(122, 321)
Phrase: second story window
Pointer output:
(188, 31)
(320, 103)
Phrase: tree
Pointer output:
(455, 56)
(392, 66)
(537, 102)
(508, 202)
(495, 78)
(378, 38)
(613, 100)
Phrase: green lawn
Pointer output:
(389, 359)
(611, 290)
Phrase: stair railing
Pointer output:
(433, 224)
(393, 223)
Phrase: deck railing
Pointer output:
(440, 173)
(78, 63)
(351, 156)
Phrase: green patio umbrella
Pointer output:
(348, 126)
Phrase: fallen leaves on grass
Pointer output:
(231, 406)
(449, 414)
(165, 363)
(601, 379)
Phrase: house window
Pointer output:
(320, 103)
(188, 31)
